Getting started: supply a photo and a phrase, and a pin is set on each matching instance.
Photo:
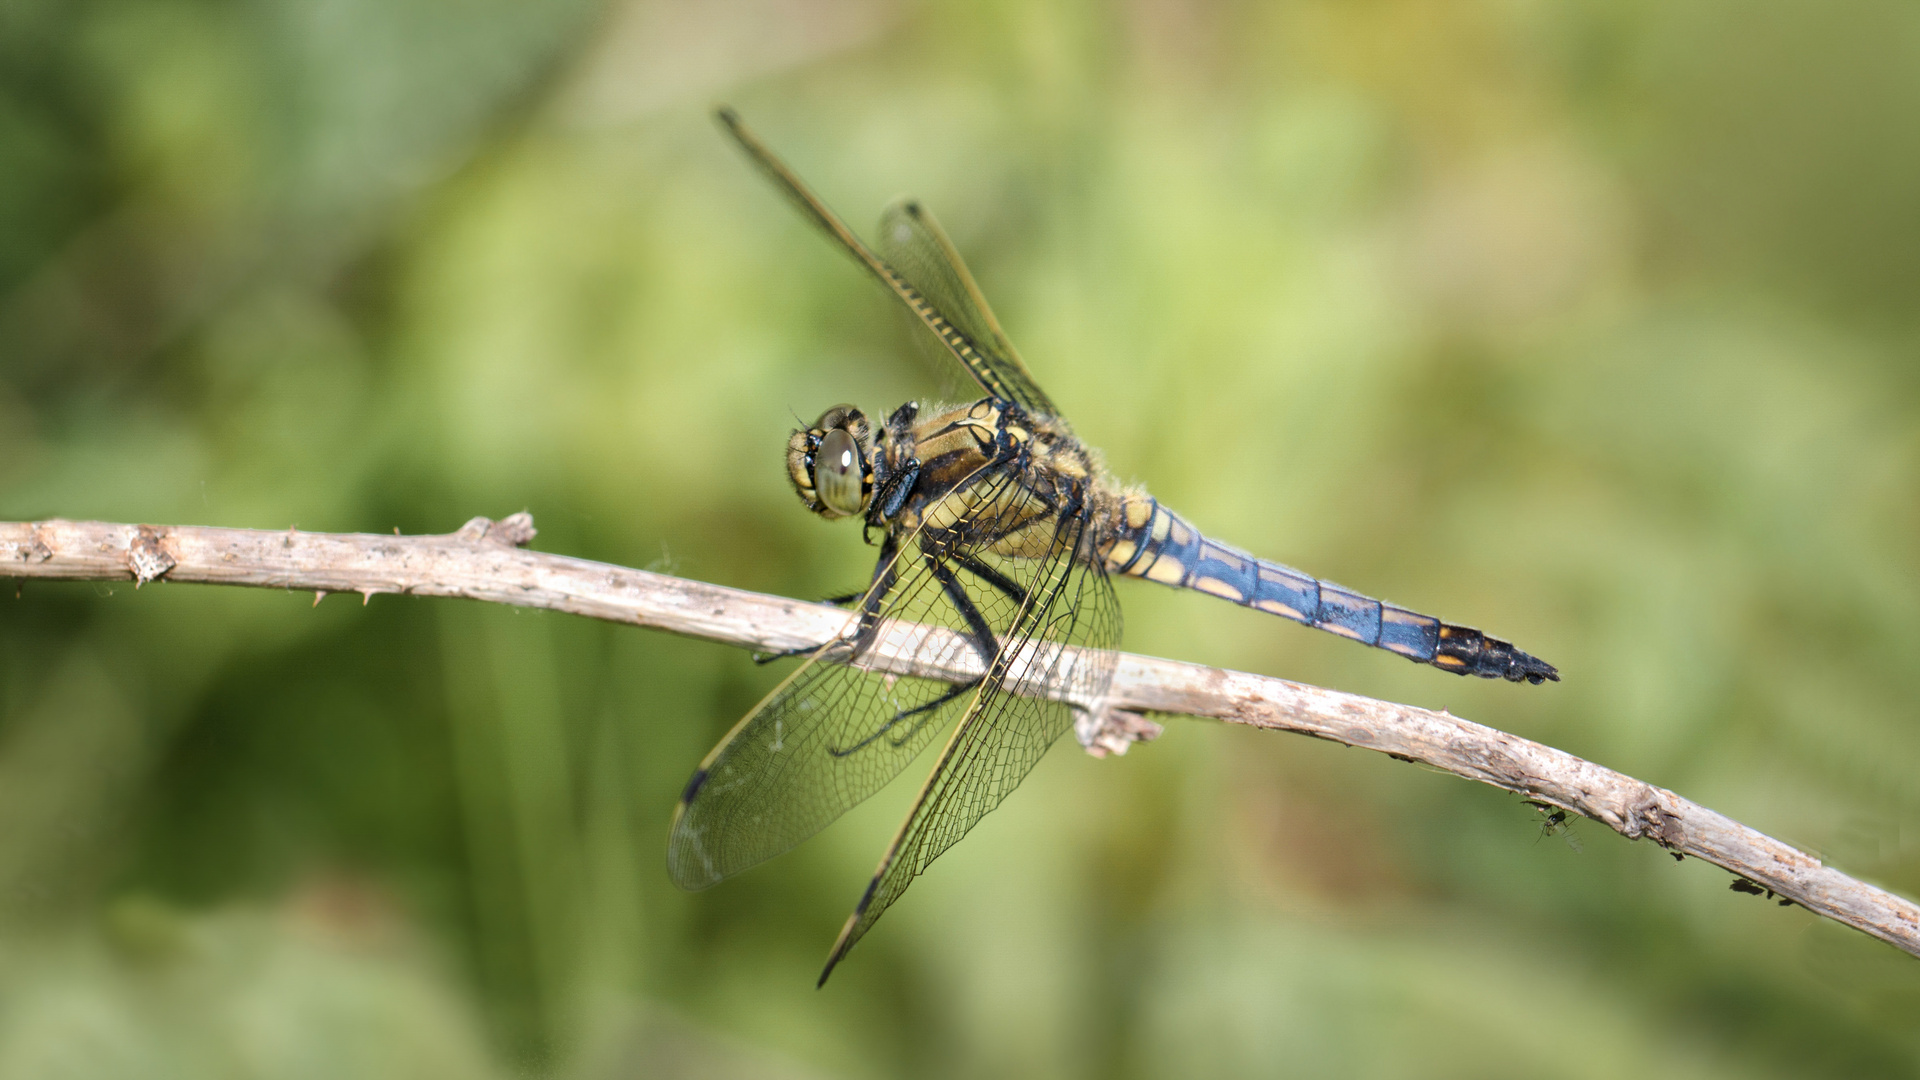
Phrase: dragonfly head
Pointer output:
(831, 463)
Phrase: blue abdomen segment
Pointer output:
(1157, 545)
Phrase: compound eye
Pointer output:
(839, 473)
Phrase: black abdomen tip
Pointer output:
(1524, 668)
(1466, 651)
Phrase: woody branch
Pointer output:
(486, 560)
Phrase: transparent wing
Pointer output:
(935, 285)
(831, 734)
(914, 244)
(825, 739)
(1005, 731)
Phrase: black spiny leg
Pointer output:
(927, 709)
(980, 635)
(996, 579)
(884, 573)
(1013, 592)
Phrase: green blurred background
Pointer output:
(1591, 323)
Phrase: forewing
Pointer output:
(914, 244)
(831, 734)
(1061, 643)
(935, 285)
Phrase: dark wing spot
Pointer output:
(693, 786)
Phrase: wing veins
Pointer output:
(843, 686)
(987, 731)
(1001, 376)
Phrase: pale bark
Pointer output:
(483, 561)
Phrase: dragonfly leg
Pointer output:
(922, 711)
(846, 648)
(985, 642)
(839, 600)
(893, 492)
(980, 635)
(996, 579)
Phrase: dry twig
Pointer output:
(484, 561)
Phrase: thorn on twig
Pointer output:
(366, 595)
(291, 531)
(319, 595)
(396, 530)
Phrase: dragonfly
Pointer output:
(999, 535)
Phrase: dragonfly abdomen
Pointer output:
(1156, 544)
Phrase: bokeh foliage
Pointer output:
(1589, 323)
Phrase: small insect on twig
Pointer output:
(1556, 821)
